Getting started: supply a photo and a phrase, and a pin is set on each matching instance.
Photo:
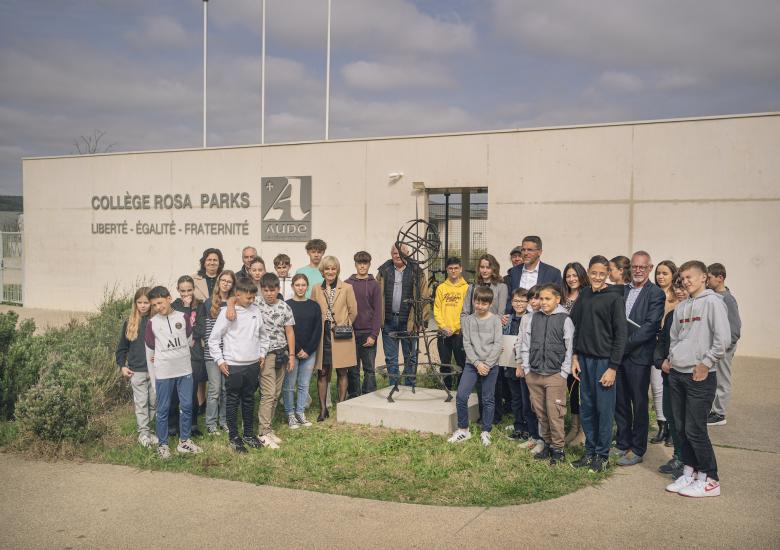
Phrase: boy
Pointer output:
(278, 323)
(716, 280)
(533, 441)
(168, 337)
(699, 337)
(366, 326)
(239, 347)
(482, 342)
(447, 308)
(282, 268)
(546, 352)
(315, 248)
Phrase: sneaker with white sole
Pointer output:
(268, 442)
(530, 444)
(302, 420)
(145, 440)
(539, 447)
(187, 446)
(292, 422)
(275, 438)
(679, 484)
(164, 452)
(701, 488)
(459, 436)
(213, 430)
(485, 438)
(715, 419)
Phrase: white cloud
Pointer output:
(367, 75)
(159, 31)
(620, 82)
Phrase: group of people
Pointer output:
(535, 342)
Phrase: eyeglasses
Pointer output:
(529, 250)
(640, 267)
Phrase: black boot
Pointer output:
(663, 432)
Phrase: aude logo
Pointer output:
(286, 208)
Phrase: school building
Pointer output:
(699, 188)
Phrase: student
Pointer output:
(644, 305)
(282, 268)
(546, 357)
(619, 271)
(131, 358)
(716, 280)
(315, 248)
(256, 270)
(278, 323)
(168, 336)
(211, 264)
(447, 309)
(367, 325)
(519, 427)
(665, 272)
(308, 332)
(530, 439)
(188, 305)
(482, 342)
(699, 337)
(205, 319)
(339, 308)
(674, 466)
(239, 348)
(600, 330)
(575, 278)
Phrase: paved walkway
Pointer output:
(73, 505)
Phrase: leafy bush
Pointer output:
(22, 356)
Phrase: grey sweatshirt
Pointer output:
(482, 339)
(568, 340)
(700, 332)
(735, 323)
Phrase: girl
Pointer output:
(664, 274)
(338, 307)
(308, 331)
(256, 272)
(188, 304)
(131, 359)
(206, 317)
(575, 279)
(211, 265)
(619, 270)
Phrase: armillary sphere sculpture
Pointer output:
(418, 244)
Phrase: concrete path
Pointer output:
(72, 505)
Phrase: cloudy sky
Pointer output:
(133, 69)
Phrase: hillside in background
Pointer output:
(11, 203)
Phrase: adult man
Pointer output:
(532, 271)
(515, 258)
(248, 253)
(397, 280)
(644, 310)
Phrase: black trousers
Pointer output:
(524, 418)
(691, 404)
(631, 414)
(574, 394)
(367, 358)
(240, 387)
(449, 346)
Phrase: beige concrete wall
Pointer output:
(701, 188)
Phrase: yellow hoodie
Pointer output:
(448, 304)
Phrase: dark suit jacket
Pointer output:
(647, 312)
(547, 274)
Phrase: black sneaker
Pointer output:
(677, 472)
(715, 419)
(516, 435)
(556, 457)
(672, 466)
(543, 454)
(253, 442)
(583, 462)
(598, 464)
(237, 445)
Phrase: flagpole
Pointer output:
(327, 79)
(205, 47)
(262, 83)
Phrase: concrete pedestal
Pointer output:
(423, 411)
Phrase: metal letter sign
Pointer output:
(286, 208)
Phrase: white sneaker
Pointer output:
(153, 439)
(701, 488)
(485, 437)
(302, 420)
(539, 447)
(292, 422)
(145, 440)
(188, 447)
(459, 436)
(268, 442)
(275, 438)
(164, 452)
(530, 444)
(679, 484)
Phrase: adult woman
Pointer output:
(664, 275)
(575, 278)
(211, 265)
(339, 308)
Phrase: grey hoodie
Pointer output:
(567, 344)
(700, 332)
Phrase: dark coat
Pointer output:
(547, 274)
(647, 312)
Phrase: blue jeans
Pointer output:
(468, 380)
(298, 379)
(390, 345)
(597, 405)
(182, 385)
(216, 396)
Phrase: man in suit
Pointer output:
(644, 311)
(532, 271)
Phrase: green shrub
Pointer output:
(22, 356)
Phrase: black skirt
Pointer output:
(327, 346)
